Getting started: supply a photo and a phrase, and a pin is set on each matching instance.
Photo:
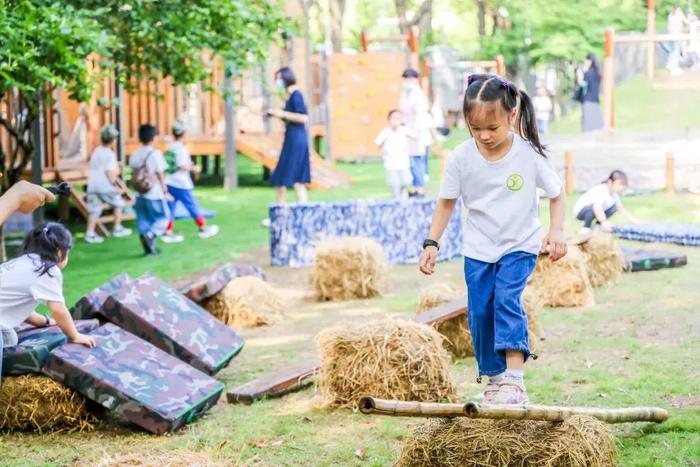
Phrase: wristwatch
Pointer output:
(48, 321)
(428, 242)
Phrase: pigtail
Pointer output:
(527, 124)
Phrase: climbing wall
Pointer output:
(362, 89)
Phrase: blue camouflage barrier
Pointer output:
(681, 234)
(35, 344)
(158, 313)
(126, 374)
(400, 227)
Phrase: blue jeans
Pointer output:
(418, 170)
(497, 320)
(186, 197)
(152, 215)
(588, 216)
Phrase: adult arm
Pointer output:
(23, 197)
(443, 211)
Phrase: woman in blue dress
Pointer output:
(293, 167)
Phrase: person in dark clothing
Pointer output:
(589, 85)
(294, 166)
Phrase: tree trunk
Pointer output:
(481, 13)
(337, 9)
(422, 18)
(230, 153)
(401, 13)
(425, 22)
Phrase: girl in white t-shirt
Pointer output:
(33, 278)
(602, 201)
(497, 173)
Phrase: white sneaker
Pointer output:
(121, 232)
(209, 231)
(266, 222)
(171, 237)
(93, 238)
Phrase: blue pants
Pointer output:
(186, 197)
(588, 216)
(497, 320)
(152, 215)
(418, 170)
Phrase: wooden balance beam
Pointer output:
(298, 377)
(372, 406)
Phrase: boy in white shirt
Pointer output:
(397, 164)
(101, 188)
(180, 186)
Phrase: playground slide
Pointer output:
(126, 374)
(265, 150)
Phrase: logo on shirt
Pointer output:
(514, 182)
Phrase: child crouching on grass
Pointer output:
(33, 278)
(497, 173)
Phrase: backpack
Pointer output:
(141, 180)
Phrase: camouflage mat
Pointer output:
(212, 283)
(88, 307)
(35, 344)
(126, 374)
(642, 259)
(159, 314)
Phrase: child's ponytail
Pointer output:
(527, 123)
(50, 242)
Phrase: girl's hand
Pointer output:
(554, 244)
(427, 260)
(606, 226)
(168, 197)
(87, 341)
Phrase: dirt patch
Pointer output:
(684, 402)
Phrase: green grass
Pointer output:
(644, 106)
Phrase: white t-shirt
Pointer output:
(102, 160)
(543, 107)
(599, 194)
(155, 163)
(414, 108)
(501, 197)
(22, 289)
(181, 178)
(394, 143)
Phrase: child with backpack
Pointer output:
(34, 278)
(180, 186)
(148, 179)
(101, 187)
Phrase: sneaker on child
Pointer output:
(511, 391)
(121, 232)
(266, 222)
(209, 231)
(170, 237)
(92, 237)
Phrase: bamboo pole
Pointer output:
(670, 183)
(372, 406)
(569, 171)
(557, 414)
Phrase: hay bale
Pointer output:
(604, 259)
(390, 359)
(437, 294)
(577, 441)
(38, 403)
(458, 339)
(347, 268)
(158, 458)
(247, 302)
(564, 282)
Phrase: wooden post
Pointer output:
(500, 65)
(364, 41)
(609, 77)
(230, 167)
(569, 171)
(670, 184)
(651, 45)
(413, 44)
